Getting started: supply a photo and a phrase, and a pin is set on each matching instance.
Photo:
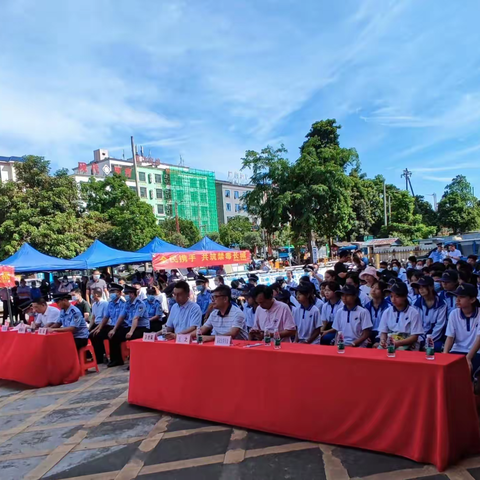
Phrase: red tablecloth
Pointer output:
(38, 360)
(409, 406)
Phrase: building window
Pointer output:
(141, 176)
(229, 207)
(201, 184)
(133, 189)
(194, 197)
(236, 195)
(237, 207)
(143, 192)
(158, 178)
(160, 209)
(193, 183)
(159, 193)
(227, 193)
(203, 197)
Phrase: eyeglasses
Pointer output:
(218, 296)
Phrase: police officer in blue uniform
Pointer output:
(154, 310)
(103, 326)
(70, 320)
(204, 298)
(132, 323)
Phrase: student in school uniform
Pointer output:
(401, 272)
(332, 304)
(354, 280)
(413, 277)
(353, 320)
(449, 281)
(370, 277)
(307, 316)
(433, 311)
(376, 307)
(249, 308)
(401, 320)
(463, 328)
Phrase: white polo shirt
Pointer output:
(222, 324)
(408, 322)
(455, 253)
(307, 320)
(352, 323)
(464, 330)
(50, 316)
(328, 311)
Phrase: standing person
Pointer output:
(449, 282)
(83, 286)
(98, 335)
(439, 254)
(23, 294)
(224, 320)
(81, 304)
(132, 324)
(204, 297)
(377, 306)
(271, 314)
(463, 326)
(219, 281)
(70, 320)
(221, 270)
(353, 320)
(175, 276)
(433, 311)
(45, 290)
(332, 304)
(185, 316)
(340, 267)
(96, 282)
(154, 310)
(103, 324)
(45, 316)
(162, 276)
(290, 283)
(4, 296)
(401, 320)
(35, 291)
(454, 253)
(307, 316)
(191, 274)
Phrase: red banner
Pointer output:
(199, 259)
(7, 276)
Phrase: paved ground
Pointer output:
(88, 431)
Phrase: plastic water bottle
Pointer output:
(277, 341)
(390, 346)
(199, 336)
(430, 348)
(163, 332)
(267, 338)
(340, 342)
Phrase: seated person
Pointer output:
(449, 282)
(463, 327)
(70, 320)
(204, 297)
(45, 315)
(101, 323)
(185, 315)
(332, 304)
(377, 306)
(401, 320)
(154, 310)
(307, 316)
(249, 308)
(352, 320)
(132, 323)
(271, 314)
(354, 280)
(224, 319)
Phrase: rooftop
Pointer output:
(11, 159)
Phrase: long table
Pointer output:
(408, 406)
(38, 360)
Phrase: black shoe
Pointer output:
(115, 364)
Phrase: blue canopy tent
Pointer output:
(209, 245)
(100, 255)
(27, 259)
(158, 245)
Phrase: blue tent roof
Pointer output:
(100, 255)
(27, 259)
(158, 245)
(208, 244)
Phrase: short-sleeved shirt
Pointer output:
(437, 256)
(115, 309)
(450, 300)
(363, 297)
(93, 284)
(153, 308)
(24, 292)
(434, 319)
(222, 324)
(352, 323)
(203, 300)
(249, 316)
(402, 324)
(464, 330)
(183, 317)
(278, 316)
(307, 320)
(329, 310)
(51, 315)
(72, 317)
(455, 253)
(340, 267)
(99, 310)
(138, 309)
(376, 313)
(84, 307)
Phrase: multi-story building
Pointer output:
(230, 200)
(7, 170)
(169, 189)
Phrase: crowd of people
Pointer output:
(437, 297)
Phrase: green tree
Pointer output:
(44, 211)
(133, 223)
(425, 209)
(232, 232)
(215, 236)
(188, 229)
(459, 209)
(251, 241)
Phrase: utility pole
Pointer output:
(390, 208)
(134, 158)
(385, 203)
(407, 174)
(435, 204)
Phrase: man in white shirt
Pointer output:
(46, 315)
(224, 319)
(454, 253)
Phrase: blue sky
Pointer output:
(209, 80)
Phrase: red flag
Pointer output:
(7, 276)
